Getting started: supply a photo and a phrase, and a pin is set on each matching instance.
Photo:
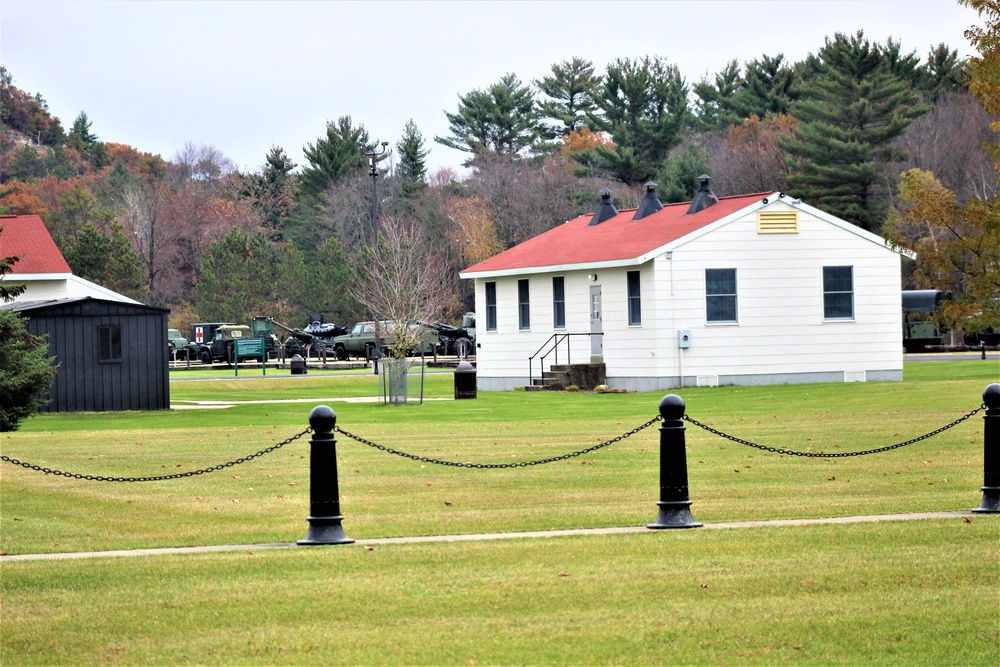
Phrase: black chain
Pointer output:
(191, 473)
(838, 455)
(519, 464)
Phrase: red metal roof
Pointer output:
(618, 238)
(25, 236)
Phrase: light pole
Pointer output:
(373, 172)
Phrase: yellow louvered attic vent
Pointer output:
(777, 222)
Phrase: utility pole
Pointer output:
(373, 172)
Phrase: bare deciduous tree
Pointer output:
(948, 141)
(404, 280)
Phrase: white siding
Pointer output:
(781, 335)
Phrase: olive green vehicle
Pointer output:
(220, 347)
(369, 340)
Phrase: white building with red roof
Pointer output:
(41, 267)
(743, 290)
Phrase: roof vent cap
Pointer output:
(649, 204)
(704, 197)
(605, 211)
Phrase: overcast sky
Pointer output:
(245, 76)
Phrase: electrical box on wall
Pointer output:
(684, 339)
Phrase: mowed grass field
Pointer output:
(916, 592)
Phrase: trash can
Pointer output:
(298, 365)
(465, 381)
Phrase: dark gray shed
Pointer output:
(112, 355)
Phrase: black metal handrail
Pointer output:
(551, 346)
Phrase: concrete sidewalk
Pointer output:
(474, 537)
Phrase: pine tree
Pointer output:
(643, 105)
(106, 259)
(271, 191)
(502, 120)
(337, 155)
(770, 88)
(942, 72)
(412, 169)
(80, 137)
(26, 370)
(571, 92)
(678, 177)
(847, 118)
(716, 98)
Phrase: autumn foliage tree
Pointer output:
(957, 246)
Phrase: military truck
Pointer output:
(220, 347)
(178, 346)
(367, 340)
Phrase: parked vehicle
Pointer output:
(220, 348)
(178, 347)
(919, 328)
(368, 340)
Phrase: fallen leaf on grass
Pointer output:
(448, 503)
(831, 478)
(564, 573)
(967, 520)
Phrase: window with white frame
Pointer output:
(634, 299)
(523, 305)
(558, 302)
(838, 292)
(491, 306)
(720, 295)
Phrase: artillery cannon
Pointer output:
(458, 340)
(301, 341)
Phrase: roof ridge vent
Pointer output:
(605, 211)
(704, 197)
(649, 204)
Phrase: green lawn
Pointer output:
(918, 592)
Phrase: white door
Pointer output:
(596, 330)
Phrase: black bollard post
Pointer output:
(675, 507)
(324, 492)
(991, 451)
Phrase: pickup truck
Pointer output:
(370, 339)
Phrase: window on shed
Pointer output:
(720, 295)
(491, 306)
(838, 292)
(523, 306)
(558, 302)
(109, 343)
(634, 299)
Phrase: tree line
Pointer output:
(837, 129)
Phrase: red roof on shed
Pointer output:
(618, 238)
(25, 236)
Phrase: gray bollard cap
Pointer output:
(322, 419)
(991, 396)
(671, 407)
